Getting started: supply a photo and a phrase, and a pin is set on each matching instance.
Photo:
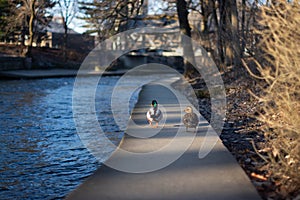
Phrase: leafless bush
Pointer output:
(281, 113)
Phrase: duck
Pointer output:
(154, 114)
(190, 119)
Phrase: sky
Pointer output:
(76, 25)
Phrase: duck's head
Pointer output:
(154, 103)
(188, 109)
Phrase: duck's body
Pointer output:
(190, 119)
(154, 114)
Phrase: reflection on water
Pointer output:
(42, 157)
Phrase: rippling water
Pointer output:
(42, 156)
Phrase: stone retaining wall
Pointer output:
(12, 63)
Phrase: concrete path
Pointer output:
(216, 176)
(52, 73)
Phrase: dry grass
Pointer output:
(280, 40)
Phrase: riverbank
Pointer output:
(55, 73)
(242, 133)
(216, 176)
(12, 57)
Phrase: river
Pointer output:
(42, 157)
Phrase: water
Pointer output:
(42, 156)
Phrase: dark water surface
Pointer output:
(41, 154)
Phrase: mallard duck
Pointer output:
(190, 119)
(154, 114)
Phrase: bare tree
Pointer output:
(224, 31)
(26, 16)
(68, 10)
(108, 17)
(31, 25)
(4, 15)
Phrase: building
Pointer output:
(53, 37)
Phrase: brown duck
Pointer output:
(190, 119)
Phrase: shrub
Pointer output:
(280, 42)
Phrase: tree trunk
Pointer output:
(23, 46)
(229, 32)
(188, 52)
(243, 45)
(65, 41)
(227, 28)
(222, 36)
(204, 24)
(235, 36)
(31, 26)
(219, 44)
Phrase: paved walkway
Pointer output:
(216, 176)
(51, 73)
